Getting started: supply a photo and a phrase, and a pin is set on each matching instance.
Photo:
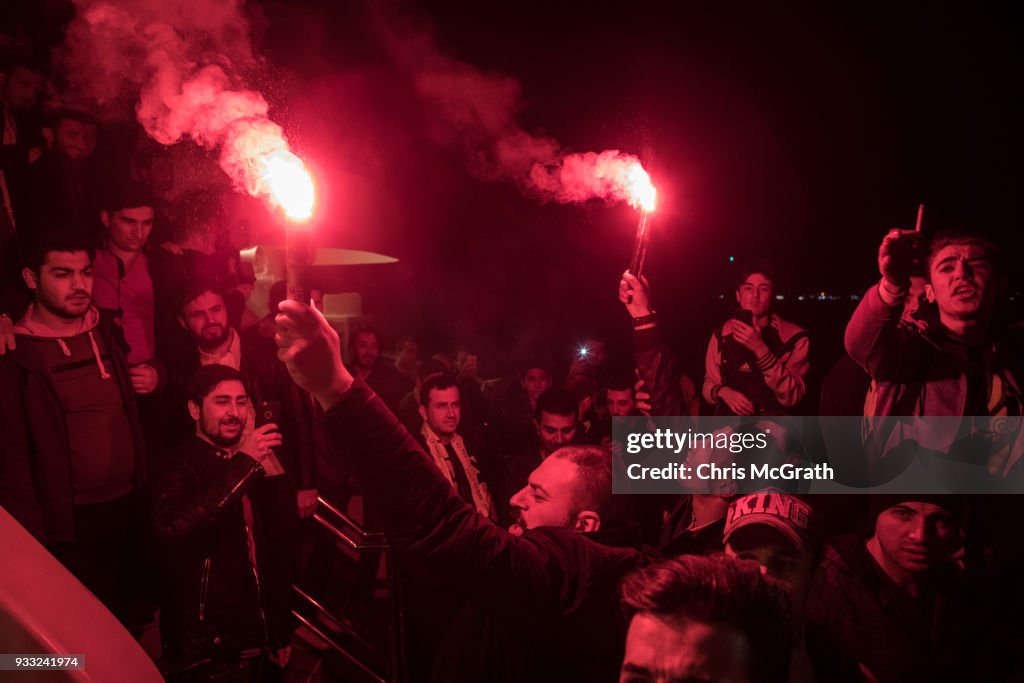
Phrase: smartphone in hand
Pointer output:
(267, 412)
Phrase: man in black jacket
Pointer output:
(225, 610)
(204, 315)
(550, 595)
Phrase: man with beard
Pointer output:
(63, 186)
(72, 459)
(227, 607)
(287, 491)
(548, 596)
(555, 422)
(204, 316)
(383, 377)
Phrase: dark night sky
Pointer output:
(797, 134)
(800, 133)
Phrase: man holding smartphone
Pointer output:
(227, 609)
(204, 315)
(756, 361)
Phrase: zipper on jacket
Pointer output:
(250, 551)
(203, 588)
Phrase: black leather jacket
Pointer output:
(216, 604)
(556, 616)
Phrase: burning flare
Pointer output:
(642, 194)
(256, 156)
(289, 184)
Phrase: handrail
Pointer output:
(338, 648)
(348, 540)
(348, 631)
(351, 523)
(360, 540)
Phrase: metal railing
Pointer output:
(354, 537)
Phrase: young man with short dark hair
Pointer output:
(441, 410)
(756, 362)
(72, 462)
(556, 419)
(965, 364)
(227, 609)
(709, 618)
(364, 352)
(122, 283)
(890, 603)
(64, 186)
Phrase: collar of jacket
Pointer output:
(431, 437)
(206, 448)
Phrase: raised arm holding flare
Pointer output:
(556, 607)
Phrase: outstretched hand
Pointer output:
(311, 350)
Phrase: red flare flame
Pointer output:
(642, 193)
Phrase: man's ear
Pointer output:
(587, 521)
(105, 218)
(184, 325)
(29, 276)
(737, 296)
(193, 410)
(929, 293)
(48, 136)
(423, 412)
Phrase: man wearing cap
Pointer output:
(776, 530)
(889, 603)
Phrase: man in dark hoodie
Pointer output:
(63, 187)
(71, 458)
(549, 595)
(889, 604)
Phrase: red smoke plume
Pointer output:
(478, 110)
(180, 64)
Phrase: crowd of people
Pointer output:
(151, 418)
